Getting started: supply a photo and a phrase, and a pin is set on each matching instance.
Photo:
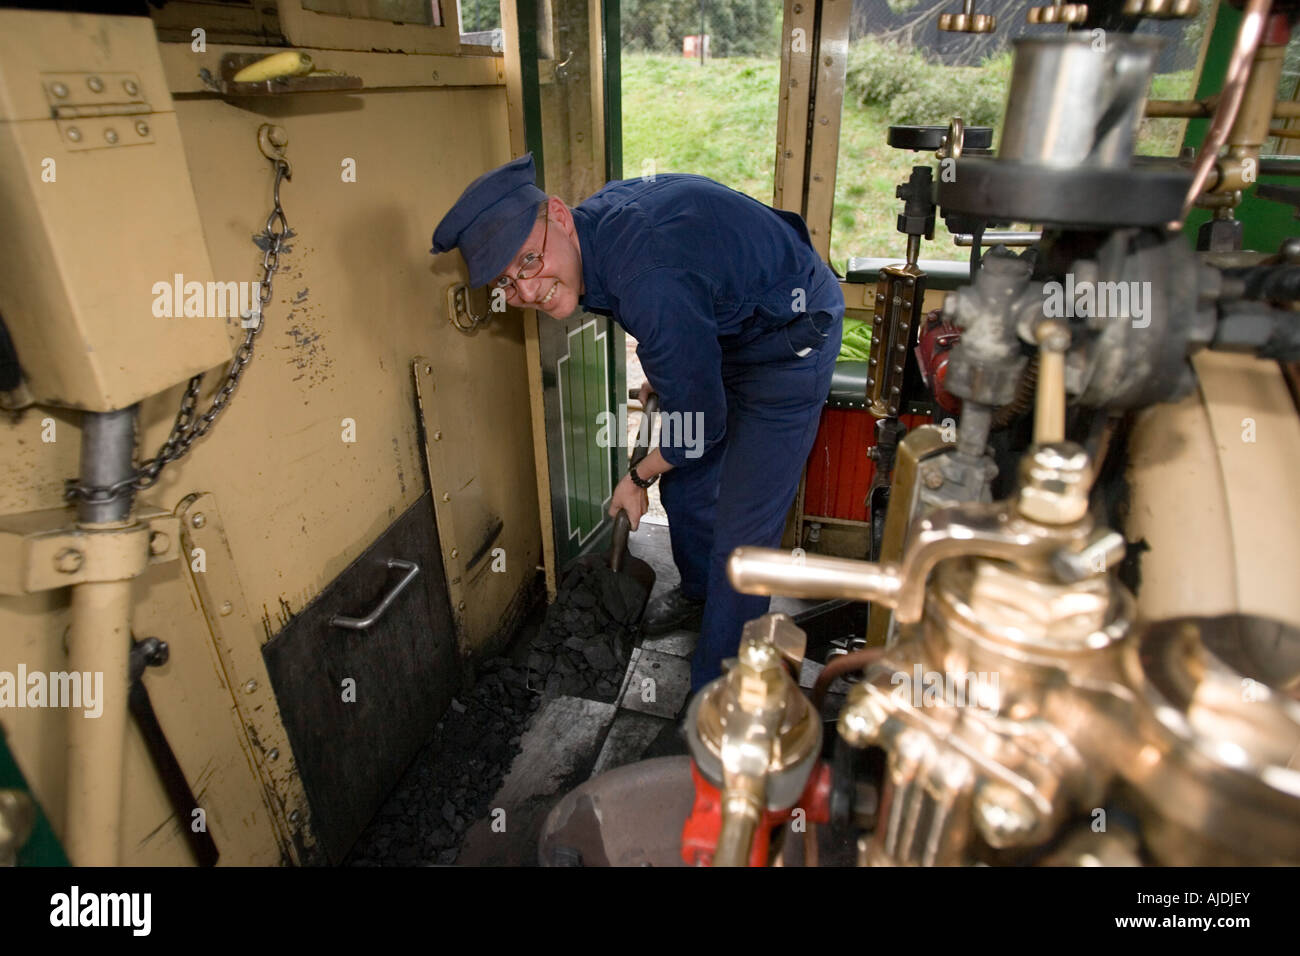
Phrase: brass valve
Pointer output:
(1049, 515)
(1058, 12)
(754, 735)
(968, 21)
(1162, 9)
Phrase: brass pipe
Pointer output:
(1203, 109)
(988, 530)
(770, 571)
(1240, 167)
(1251, 126)
(1234, 89)
(741, 813)
(1178, 109)
(99, 643)
(1049, 395)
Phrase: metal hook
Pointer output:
(560, 72)
(272, 141)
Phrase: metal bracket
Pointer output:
(42, 550)
(460, 311)
(427, 411)
(314, 82)
(273, 141)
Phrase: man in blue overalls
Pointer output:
(737, 322)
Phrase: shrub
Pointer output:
(917, 92)
(878, 71)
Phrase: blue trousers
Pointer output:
(739, 492)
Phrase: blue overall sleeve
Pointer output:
(669, 311)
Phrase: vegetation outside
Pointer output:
(718, 119)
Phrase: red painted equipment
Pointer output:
(700, 834)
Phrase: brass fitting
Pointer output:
(754, 735)
(968, 21)
(1055, 479)
(1057, 12)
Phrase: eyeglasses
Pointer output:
(530, 267)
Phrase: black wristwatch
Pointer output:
(638, 480)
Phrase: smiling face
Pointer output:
(556, 286)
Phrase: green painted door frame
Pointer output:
(583, 359)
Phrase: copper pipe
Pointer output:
(1234, 89)
(840, 665)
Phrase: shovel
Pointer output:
(620, 582)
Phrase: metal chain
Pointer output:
(187, 429)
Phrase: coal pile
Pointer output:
(589, 631)
(451, 782)
(580, 650)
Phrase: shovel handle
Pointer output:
(618, 544)
(622, 523)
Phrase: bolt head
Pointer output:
(455, 552)
(17, 820)
(159, 542)
(142, 128)
(437, 436)
(1053, 335)
(130, 87)
(59, 89)
(274, 753)
(250, 686)
(110, 136)
(226, 608)
(96, 84)
(199, 520)
(446, 496)
(74, 134)
(294, 816)
(861, 720)
(932, 477)
(69, 561)
(460, 606)
(1004, 816)
(1055, 479)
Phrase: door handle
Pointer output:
(361, 623)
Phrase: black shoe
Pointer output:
(672, 611)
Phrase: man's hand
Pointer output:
(629, 498)
(646, 391)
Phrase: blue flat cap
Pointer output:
(492, 218)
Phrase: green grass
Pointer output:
(719, 120)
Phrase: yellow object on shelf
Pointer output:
(288, 63)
